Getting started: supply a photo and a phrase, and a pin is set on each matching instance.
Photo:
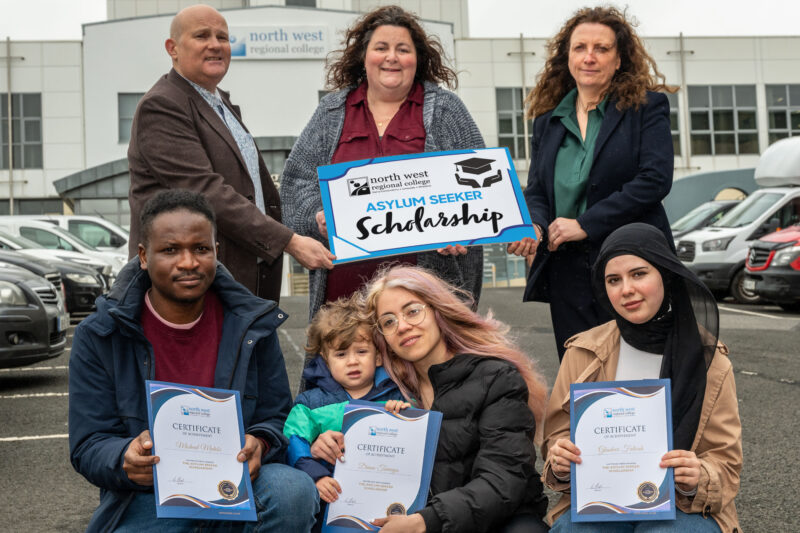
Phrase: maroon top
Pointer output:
(186, 355)
(405, 134)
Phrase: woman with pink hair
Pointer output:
(447, 358)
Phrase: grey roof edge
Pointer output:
(91, 175)
(120, 166)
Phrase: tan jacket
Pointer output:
(592, 356)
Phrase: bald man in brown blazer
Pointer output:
(187, 134)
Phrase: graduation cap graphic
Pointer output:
(477, 166)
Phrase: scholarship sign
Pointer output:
(279, 42)
(411, 203)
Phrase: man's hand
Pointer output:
(252, 452)
(322, 226)
(309, 252)
(329, 489)
(329, 446)
(412, 523)
(137, 461)
(563, 230)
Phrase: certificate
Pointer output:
(387, 468)
(622, 429)
(410, 203)
(197, 433)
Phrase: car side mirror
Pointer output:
(116, 241)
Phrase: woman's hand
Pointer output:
(563, 230)
(412, 523)
(453, 250)
(686, 466)
(526, 247)
(562, 454)
(329, 446)
(329, 489)
(394, 406)
(322, 226)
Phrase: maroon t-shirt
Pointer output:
(405, 134)
(186, 355)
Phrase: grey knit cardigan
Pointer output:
(448, 126)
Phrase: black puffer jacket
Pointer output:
(484, 469)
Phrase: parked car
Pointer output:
(33, 324)
(79, 285)
(773, 268)
(701, 216)
(717, 253)
(97, 231)
(51, 236)
(28, 247)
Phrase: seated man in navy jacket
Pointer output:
(175, 314)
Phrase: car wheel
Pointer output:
(739, 293)
(793, 308)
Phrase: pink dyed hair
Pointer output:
(463, 330)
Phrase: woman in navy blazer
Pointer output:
(601, 158)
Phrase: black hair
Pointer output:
(171, 200)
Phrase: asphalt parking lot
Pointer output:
(42, 493)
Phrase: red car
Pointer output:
(773, 268)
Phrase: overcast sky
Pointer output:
(61, 19)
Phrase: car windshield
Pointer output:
(69, 237)
(20, 242)
(694, 217)
(748, 211)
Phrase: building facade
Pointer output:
(72, 102)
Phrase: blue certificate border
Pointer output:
(359, 409)
(328, 173)
(663, 508)
(243, 507)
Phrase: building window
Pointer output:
(722, 119)
(301, 3)
(126, 106)
(783, 109)
(510, 117)
(674, 124)
(26, 130)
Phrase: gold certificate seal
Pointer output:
(395, 509)
(228, 490)
(647, 491)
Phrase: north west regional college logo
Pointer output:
(358, 186)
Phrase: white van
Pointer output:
(717, 253)
(51, 236)
(96, 231)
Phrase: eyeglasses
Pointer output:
(414, 314)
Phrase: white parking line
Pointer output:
(34, 368)
(34, 437)
(36, 395)
(731, 309)
(300, 353)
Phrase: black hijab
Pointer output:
(684, 330)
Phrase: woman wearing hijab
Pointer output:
(665, 325)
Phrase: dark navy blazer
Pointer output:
(630, 176)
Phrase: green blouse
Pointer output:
(575, 156)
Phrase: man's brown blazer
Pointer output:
(179, 141)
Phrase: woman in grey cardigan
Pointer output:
(386, 81)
